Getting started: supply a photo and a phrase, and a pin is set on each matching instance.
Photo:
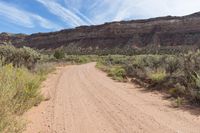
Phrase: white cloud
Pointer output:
(24, 18)
(108, 10)
(15, 15)
(103, 10)
(155, 8)
(85, 12)
(84, 17)
(76, 4)
(45, 23)
(65, 14)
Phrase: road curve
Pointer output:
(84, 100)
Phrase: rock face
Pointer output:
(163, 31)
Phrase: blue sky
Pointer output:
(31, 16)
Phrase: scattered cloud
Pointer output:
(24, 18)
(72, 13)
(65, 14)
(76, 4)
(81, 15)
(45, 23)
(107, 10)
(16, 16)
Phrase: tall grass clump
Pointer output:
(117, 73)
(21, 73)
(157, 76)
(19, 91)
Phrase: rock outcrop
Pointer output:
(158, 32)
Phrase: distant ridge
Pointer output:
(156, 32)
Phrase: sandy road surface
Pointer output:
(85, 100)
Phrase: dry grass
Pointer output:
(19, 91)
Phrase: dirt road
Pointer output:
(84, 100)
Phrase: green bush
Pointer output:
(195, 87)
(178, 90)
(101, 66)
(59, 54)
(117, 73)
(172, 64)
(157, 76)
(19, 56)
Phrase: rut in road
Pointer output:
(85, 100)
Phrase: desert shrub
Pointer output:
(178, 102)
(83, 59)
(138, 62)
(157, 76)
(19, 56)
(194, 85)
(172, 64)
(117, 73)
(178, 90)
(59, 54)
(103, 67)
(19, 91)
(28, 57)
(153, 61)
(43, 68)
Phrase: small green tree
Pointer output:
(59, 54)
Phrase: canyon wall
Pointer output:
(158, 32)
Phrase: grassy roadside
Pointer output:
(177, 75)
(19, 91)
(22, 71)
(21, 74)
(115, 72)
